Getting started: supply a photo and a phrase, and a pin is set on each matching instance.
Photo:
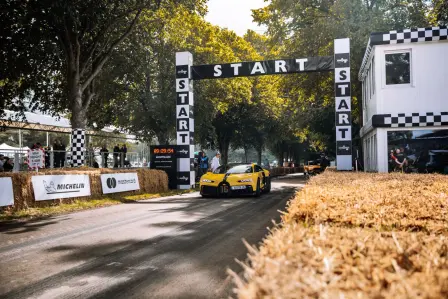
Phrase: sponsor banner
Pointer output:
(119, 182)
(268, 67)
(6, 193)
(60, 186)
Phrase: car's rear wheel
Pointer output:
(258, 190)
(267, 187)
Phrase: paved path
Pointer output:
(174, 247)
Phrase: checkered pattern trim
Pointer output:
(415, 35)
(400, 120)
(78, 147)
(409, 36)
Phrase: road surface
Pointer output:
(174, 247)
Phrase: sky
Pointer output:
(235, 15)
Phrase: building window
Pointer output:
(398, 68)
(425, 151)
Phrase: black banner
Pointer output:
(164, 157)
(259, 68)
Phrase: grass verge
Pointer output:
(79, 205)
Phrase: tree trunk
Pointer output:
(224, 150)
(259, 152)
(246, 149)
(78, 120)
(163, 139)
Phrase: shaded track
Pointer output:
(175, 249)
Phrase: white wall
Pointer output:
(370, 151)
(370, 90)
(429, 80)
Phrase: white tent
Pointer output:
(7, 148)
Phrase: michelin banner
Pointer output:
(48, 187)
(6, 193)
(119, 182)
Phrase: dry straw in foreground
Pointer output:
(356, 235)
(330, 262)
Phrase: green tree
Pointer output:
(56, 49)
(308, 28)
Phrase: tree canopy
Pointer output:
(113, 62)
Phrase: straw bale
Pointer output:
(151, 181)
(383, 201)
(356, 235)
(333, 262)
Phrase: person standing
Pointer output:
(58, 153)
(9, 165)
(124, 151)
(2, 161)
(324, 162)
(116, 154)
(266, 164)
(104, 155)
(215, 162)
(203, 164)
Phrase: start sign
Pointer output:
(36, 159)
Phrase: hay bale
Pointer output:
(151, 181)
(356, 235)
(382, 201)
(329, 262)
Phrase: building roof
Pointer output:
(415, 35)
(41, 122)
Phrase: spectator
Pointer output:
(59, 153)
(47, 156)
(104, 155)
(2, 161)
(215, 162)
(324, 162)
(116, 154)
(203, 164)
(266, 164)
(8, 166)
(401, 161)
(124, 151)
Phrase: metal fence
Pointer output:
(95, 159)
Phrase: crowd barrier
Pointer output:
(62, 159)
(150, 181)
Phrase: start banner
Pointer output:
(119, 182)
(60, 186)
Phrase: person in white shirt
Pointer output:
(215, 162)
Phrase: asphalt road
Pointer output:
(174, 247)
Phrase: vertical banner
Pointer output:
(78, 147)
(342, 87)
(185, 120)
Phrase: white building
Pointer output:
(404, 77)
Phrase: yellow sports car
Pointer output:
(236, 179)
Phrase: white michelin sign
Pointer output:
(48, 187)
